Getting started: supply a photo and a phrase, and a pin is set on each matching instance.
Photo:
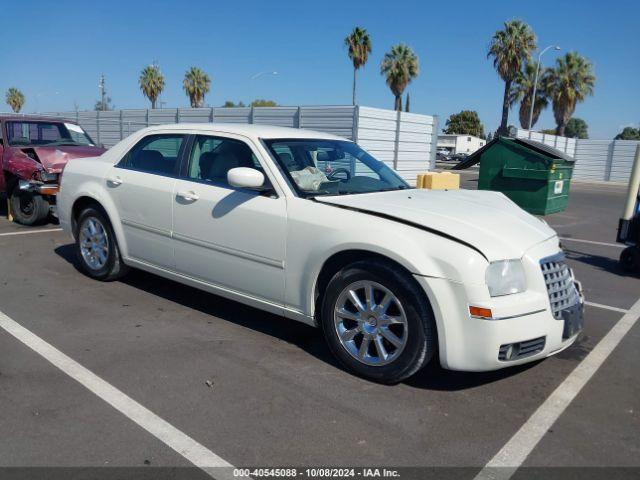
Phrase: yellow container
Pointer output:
(438, 181)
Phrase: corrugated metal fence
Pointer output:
(601, 160)
(405, 141)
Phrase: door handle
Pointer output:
(114, 181)
(189, 196)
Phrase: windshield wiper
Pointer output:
(393, 189)
(70, 143)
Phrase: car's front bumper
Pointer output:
(39, 187)
(524, 321)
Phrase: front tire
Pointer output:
(630, 259)
(378, 322)
(96, 246)
(28, 208)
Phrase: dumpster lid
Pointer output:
(539, 147)
(544, 148)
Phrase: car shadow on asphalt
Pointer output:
(607, 264)
(296, 333)
(305, 337)
(434, 377)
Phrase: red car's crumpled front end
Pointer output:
(38, 167)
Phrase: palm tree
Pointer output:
(400, 66)
(196, 85)
(152, 83)
(510, 48)
(359, 45)
(571, 81)
(522, 90)
(15, 99)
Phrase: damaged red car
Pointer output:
(33, 153)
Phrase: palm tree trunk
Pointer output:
(560, 130)
(398, 104)
(153, 103)
(505, 108)
(354, 84)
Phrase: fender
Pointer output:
(406, 222)
(312, 240)
(95, 191)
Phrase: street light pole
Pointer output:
(260, 74)
(535, 82)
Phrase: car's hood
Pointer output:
(488, 221)
(54, 158)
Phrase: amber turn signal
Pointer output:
(480, 312)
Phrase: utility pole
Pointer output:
(103, 93)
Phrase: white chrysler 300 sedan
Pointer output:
(310, 226)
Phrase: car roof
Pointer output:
(248, 130)
(33, 118)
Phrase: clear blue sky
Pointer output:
(55, 52)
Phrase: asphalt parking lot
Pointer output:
(259, 390)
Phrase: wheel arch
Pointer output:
(84, 201)
(80, 204)
(338, 260)
(10, 182)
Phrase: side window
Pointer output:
(212, 157)
(154, 154)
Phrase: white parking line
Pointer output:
(606, 307)
(505, 463)
(30, 232)
(193, 451)
(616, 245)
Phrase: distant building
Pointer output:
(454, 143)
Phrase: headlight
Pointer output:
(48, 177)
(44, 176)
(505, 277)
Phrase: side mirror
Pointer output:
(244, 177)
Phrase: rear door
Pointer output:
(141, 185)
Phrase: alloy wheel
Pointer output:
(94, 243)
(371, 323)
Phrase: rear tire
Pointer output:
(396, 326)
(96, 246)
(28, 208)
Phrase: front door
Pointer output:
(141, 185)
(230, 237)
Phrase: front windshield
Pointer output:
(332, 167)
(46, 133)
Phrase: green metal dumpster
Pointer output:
(535, 176)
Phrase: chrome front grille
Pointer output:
(560, 285)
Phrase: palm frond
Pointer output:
(570, 82)
(15, 99)
(196, 85)
(400, 66)
(151, 82)
(358, 44)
